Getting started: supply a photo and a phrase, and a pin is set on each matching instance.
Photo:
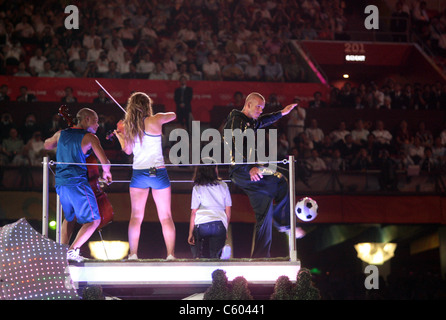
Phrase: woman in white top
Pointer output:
(142, 137)
(211, 211)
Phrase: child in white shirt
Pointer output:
(211, 211)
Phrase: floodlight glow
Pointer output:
(375, 253)
(105, 250)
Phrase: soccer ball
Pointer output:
(306, 209)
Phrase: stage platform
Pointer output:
(177, 279)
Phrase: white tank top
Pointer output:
(149, 153)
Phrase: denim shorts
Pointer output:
(141, 179)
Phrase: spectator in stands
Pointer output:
(303, 144)
(274, 70)
(25, 96)
(429, 163)
(387, 105)
(420, 16)
(347, 148)
(429, 97)
(73, 51)
(397, 96)
(325, 149)
(181, 72)
(314, 133)
(403, 137)
(11, 151)
(112, 72)
(232, 71)
(187, 34)
(292, 71)
(102, 97)
(273, 102)
(253, 71)
(80, 63)
(116, 52)
(29, 127)
(124, 65)
(194, 73)
(339, 133)
(51, 127)
(399, 23)
(148, 34)
(34, 150)
(4, 97)
(296, 123)
(424, 134)
(345, 96)
(407, 98)
(416, 150)
(183, 98)
(13, 54)
(6, 123)
(91, 71)
(169, 66)
(359, 133)
(388, 179)
(63, 71)
(158, 74)
(127, 33)
(382, 135)
(102, 63)
(315, 162)
(94, 52)
(438, 150)
(36, 62)
(24, 30)
(336, 162)
(21, 72)
(317, 101)
(90, 40)
(69, 97)
(211, 69)
(238, 100)
(362, 161)
(46, 72)
(233, 44)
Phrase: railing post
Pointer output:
(45, 188)
(292, 183)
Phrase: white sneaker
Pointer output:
(226, 252)
(133, 257)
(73, 255)
(170, 257)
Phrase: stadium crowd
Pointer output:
(216, 40)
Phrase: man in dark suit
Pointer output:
(183, 98)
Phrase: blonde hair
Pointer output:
(84, 113)
(139, 106)
(254, 95)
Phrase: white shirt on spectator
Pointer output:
(382, 136)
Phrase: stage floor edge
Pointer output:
(176, 273)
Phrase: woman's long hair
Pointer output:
(139, 106)
(206, 174)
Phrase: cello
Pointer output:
(104, 205)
